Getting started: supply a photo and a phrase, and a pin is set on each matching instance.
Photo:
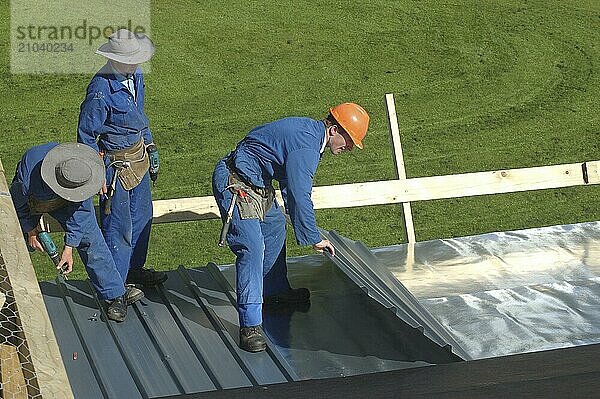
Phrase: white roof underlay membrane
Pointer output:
(509, 292)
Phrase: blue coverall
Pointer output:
(288, 151)
(78, 220)
(112, 119)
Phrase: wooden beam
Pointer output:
(409, 190)
(495, 182)
(12, 379)
(399, 191)
(38, 333)
(592, 171)
(409, 228)
(196, 208)
(449, 186)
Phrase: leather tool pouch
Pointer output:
(38, 207)
(257, 201)
(139, 163)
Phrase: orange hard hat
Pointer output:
(354, 119)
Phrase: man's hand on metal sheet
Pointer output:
(324, 245)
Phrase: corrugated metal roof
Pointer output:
(359, 263)
(182, 337)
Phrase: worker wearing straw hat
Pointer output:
(112, 121)
(61, 179)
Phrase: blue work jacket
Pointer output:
(110, 118)
(288, 151)
(28, 182)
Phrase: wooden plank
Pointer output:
(196, 208)
(592, 169)
(3, 183)
(495, 182)
(395, 133)
(409, 228)
(398, 191)
(12, 378)
(37, 329)
(449, 186)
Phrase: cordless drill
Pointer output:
(50, 248)
(154, 162)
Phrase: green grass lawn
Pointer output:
(479, 85)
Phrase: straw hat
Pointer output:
(127, 48)
(73, 171)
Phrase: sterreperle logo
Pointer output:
(61, 37)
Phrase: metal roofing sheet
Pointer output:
(492, 294)
(344, 332)
(356, 260)
(182, 337)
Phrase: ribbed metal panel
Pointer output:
(356, 260)
(178, 339)
(182, 337)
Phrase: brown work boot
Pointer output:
(252, 340)
(291, 296)
(116, 309)
(132, 294)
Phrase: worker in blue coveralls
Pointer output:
(288, 151)
(61, 179)
(112, 122)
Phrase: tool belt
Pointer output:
(38, 207)
(138, 163)
(253, 202)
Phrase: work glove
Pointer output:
(154, 162)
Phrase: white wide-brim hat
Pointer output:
(73, 171)
(127, 48)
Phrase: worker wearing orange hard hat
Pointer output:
(353, 119)
(287, 151)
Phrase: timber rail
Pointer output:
(30, 361)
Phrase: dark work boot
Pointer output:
(145, 277)
(132, 294)
(251, 339)
(291, 296)
(116, 310)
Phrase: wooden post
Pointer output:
(409, 228)
(37, 349)
(12, 378)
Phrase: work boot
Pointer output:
(145, 277)
(251, 339)
(291, 296)
(116, 310)
(132, 294)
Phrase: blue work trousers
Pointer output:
(259, 248)
(96, 258)
(127, 228)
